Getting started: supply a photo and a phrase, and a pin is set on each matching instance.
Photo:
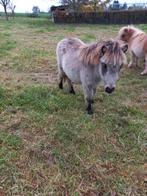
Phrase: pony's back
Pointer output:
(66, 46)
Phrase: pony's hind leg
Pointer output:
(144, 72)
(134, 60)
(61, 74)
(61, 77)
(71, 88)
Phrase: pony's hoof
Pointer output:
(130, 65)
(90, 112)
(92, 101)
(60, 86)
(143, 73)
(72, 92)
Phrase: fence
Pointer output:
(106, 17)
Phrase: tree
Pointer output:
(74, 5)
(35, 10)
(94, 3)
(12, 8)
(5, 4)
(100, 4)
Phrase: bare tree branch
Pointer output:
(5, 4)
(12, 7)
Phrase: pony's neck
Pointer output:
(137, 32)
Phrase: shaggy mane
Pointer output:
(91, 54)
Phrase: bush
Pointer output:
(106, 17)
(32, 15)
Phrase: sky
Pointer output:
(44, 5)
(26, 5)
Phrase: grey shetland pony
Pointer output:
(88, 64)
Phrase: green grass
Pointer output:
(48, 144)
(6, 43)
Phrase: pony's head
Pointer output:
(112, 58)
(126, 33)
(109, 56)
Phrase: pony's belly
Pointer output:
(137, 49)
(139, 53)
(73, 74)
(74, 77)
(72, 67)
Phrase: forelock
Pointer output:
(114, 54)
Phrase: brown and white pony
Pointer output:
(137, 42)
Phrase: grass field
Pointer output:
(48, 144)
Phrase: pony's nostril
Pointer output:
(109, 90)
(112, 89)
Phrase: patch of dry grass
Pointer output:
(49, 145)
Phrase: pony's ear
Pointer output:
(126, 30)
(130, 31)
(124, 48)
(103, 50)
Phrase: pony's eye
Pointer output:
(104, 68)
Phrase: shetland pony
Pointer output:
(88, 64)
(137, 42)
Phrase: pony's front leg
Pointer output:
(94, 92)
(88, 94)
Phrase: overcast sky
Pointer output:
(26, 5)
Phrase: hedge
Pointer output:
(107, 17)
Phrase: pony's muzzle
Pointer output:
(109, 90)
